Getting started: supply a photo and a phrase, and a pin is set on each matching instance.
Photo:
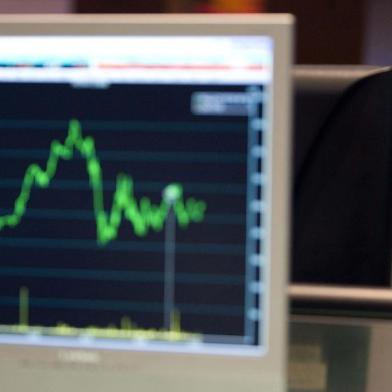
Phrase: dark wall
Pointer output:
(328, 31)
(119, 6)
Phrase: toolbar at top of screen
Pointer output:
(107, 60)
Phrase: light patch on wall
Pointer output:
(36, 6)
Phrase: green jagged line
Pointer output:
(143, 215)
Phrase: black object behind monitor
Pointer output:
(342, 232)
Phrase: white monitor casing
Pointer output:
(40, 369)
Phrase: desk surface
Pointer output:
(331, 354)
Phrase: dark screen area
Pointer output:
(53, 252)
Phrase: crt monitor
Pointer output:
(144, 202)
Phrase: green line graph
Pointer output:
(142, 214)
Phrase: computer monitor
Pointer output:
(144, 202)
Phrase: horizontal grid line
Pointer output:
(141, 126)
(130, 156)
(118, 275)
(88, 215)
(121, 305)
(83, 185)
(119, 246)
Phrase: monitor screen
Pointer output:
(136, 196)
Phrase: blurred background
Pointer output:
(328, 32)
